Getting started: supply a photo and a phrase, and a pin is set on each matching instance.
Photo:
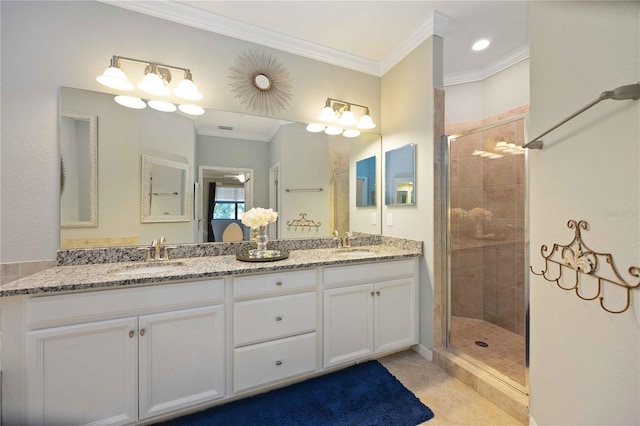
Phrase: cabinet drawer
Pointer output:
(273, 284)
(48, 311)
(274, 317)
(369, 272)
(274, 361)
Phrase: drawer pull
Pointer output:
(279, 318)
(373, 294)
(142, 332)
(131, 333)
(278, 362)
(279, 283)
(378, 292)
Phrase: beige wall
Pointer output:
(585, 362)
(46, 45)
(408, 117)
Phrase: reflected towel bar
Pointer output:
(304, 190)
(631, 91)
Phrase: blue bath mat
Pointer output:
(362, 395)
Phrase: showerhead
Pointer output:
(623, 93)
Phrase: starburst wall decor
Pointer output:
(261, 82)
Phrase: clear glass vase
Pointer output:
(262, 239)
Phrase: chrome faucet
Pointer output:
(346, 240)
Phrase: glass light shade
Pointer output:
(486, 154)
(495, 156)
(351, 133)
(477, 152)
(315, 127)
(115, 78)
(191, 109)
(366, 122)
(333, 130)
(153, 84)
(187, 90)
(347, 119)
(130, 102)
(327, 114)
(501, 146)
(162, 106)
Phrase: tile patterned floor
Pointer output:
(452, 402)
(506, 350)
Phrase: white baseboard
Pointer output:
(532, 422)
(424, 352)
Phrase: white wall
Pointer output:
(585, 362)
(501, 92)
(408, 117)
(45, 45)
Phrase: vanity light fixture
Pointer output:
(155, 82)
(480, 45)
(340, 112)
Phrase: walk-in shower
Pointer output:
(487, 286)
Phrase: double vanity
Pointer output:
(137, 342)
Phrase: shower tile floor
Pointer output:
(506, 350)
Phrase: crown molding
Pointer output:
(193, 17)
(438, 24)
(510, 59)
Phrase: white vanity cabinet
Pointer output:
(275, 319)
(369, 309)
(118, 356)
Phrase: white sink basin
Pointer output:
(148, 269)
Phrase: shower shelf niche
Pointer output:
(579, 258)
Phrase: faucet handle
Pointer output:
(162, 240)
(166, 251)
(147, 250)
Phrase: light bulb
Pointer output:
(153, 84)
(327, 114)
(366, 122)
(347, 119)
(191, 109)
(481, 44)
(162, 106)
(351, 133)
(187, 90)
(130, 102)
(115, 78)
(315, 127)
(333, 130)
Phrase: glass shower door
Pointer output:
(487, 278)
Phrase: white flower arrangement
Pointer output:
(480, 213)
(257, 217)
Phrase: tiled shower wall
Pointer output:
(487, 260)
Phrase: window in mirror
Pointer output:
(400, 166)
(79, 170)
(366, 182)
(229, 203)
(165, 190)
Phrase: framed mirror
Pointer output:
(78, 170)
(164, 194)
(366, 182)
(400, 176)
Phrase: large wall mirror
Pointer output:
(400, 176)
(366, 182)
(78, 170)
(229, 159)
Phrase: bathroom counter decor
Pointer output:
(578, 257)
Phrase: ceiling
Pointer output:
(367, 36)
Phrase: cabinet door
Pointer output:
(348, 323)
(181, 359)
(395, 314)
(83, 374)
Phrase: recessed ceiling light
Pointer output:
(481, 44)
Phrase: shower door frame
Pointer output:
(448, 250)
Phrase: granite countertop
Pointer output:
(108, 275)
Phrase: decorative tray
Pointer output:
(261, 255)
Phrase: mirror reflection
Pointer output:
(400, 165)
(366, 182)
(218, 147)
(78, 170)
(165, 190)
